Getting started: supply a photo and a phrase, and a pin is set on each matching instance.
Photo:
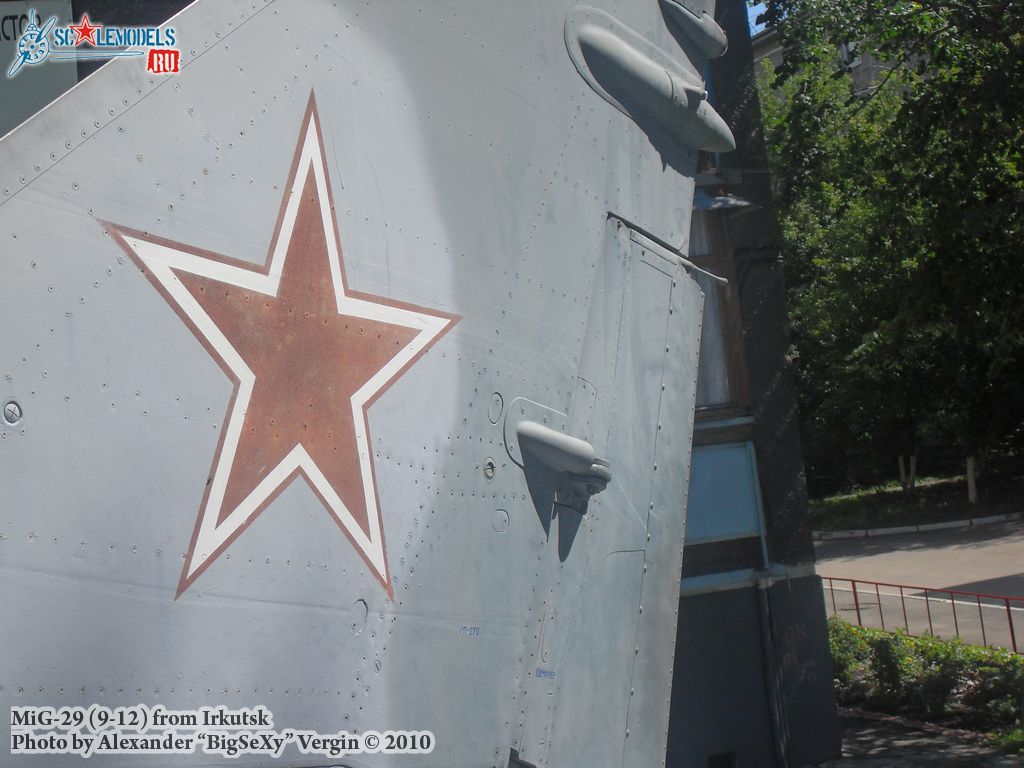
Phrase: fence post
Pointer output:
(1009, 620)
(956, 624)
(928, 607)
(903, 602)
(981, 618)
(832, 589)
(879, 598)
(856, 603)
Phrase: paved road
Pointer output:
(880, 744)
(986, 559)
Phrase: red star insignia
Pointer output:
(307, 356)
(85, 31)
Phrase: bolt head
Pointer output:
(12, 412)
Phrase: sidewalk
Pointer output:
(860, 533)
(894, 743)
(984, 559)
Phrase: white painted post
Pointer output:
(972, 486)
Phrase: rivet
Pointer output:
(489, 467)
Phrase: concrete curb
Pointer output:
(860, 533)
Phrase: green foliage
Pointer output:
(927, 677)
(945, 665)
(996, 692)
(895, 667)
(901, 201)
(933, 500)
(850, 655)
(1011, 740)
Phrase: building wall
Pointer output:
(753, 676)
(715, 713)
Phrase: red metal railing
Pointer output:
(983, 619)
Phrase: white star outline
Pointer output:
(210, 539)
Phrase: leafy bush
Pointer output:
(1011, 740)
(848, 644)
(929, 677)
(896, 668)
(997, 689)
(946, 669)
(850, 654)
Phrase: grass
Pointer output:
(1010, 741)
(934, 500)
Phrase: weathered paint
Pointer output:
(469, 173)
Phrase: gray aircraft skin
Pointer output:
(350, 372)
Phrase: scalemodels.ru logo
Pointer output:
(41, 42)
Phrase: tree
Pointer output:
(902, 212)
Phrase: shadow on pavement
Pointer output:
(1007, 586)
(963, 538)
(891, 743)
